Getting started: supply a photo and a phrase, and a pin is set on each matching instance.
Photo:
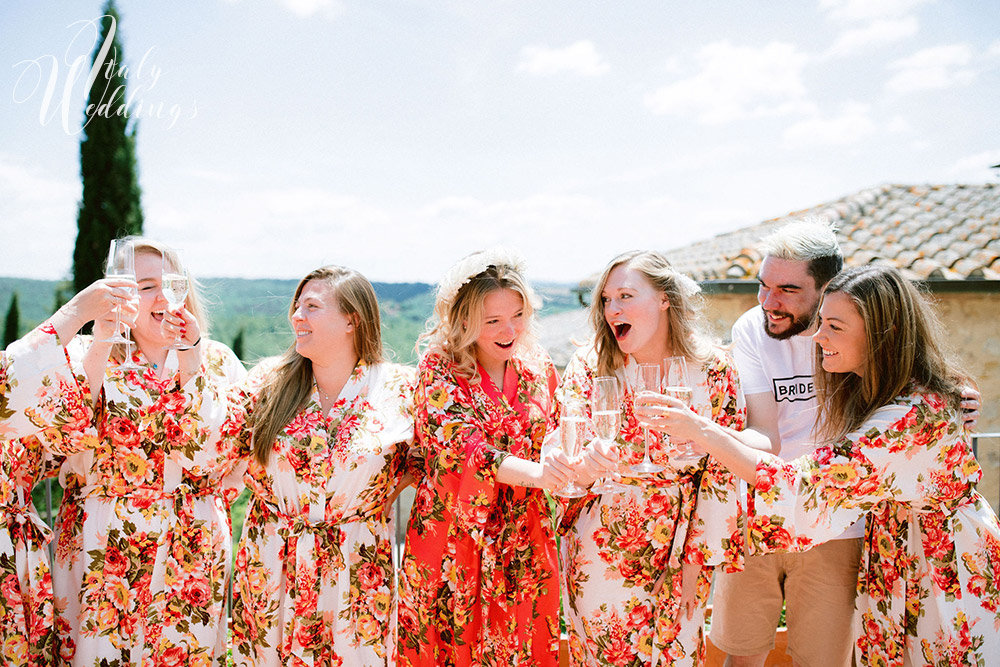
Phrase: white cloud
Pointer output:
(306, 8)
(39, 221)
(867, 10)
(994, 49)
(850, 126)
(933, 68)
(882, 31)
(737, 82)
(580, 58)
(975, 168)
(899, 125)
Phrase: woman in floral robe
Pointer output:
(898, 453)
(39, 395)
(479, 582)
(143, 543)
(638, 563)
(327, 436)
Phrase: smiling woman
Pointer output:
(479, 578)
(144, 514)
(325, 429)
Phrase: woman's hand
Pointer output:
(688, 601)
(665, 414)
(556, 470)
(97, 302)
(600, 458)
(181, 323)
(971, 402)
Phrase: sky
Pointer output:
(275, 136)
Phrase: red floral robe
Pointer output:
(479, 579)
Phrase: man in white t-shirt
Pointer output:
(774, 354)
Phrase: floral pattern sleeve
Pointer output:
(456, 452)
(715, 536)
(38, 389)
(928, 585)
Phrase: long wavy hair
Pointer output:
(456, 323)
(195, 302)
(289, 384)
(905, 345)
(686, 335)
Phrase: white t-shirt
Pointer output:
(785, 369)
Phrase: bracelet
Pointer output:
(195, 344)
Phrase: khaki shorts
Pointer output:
(817, 588)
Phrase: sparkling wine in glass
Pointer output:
(120, 264)
(606, 414)
(647, 380)
(174, 285)
(676, 383)
(573, 432)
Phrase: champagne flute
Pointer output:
(572, 429)
(646, 380)
(677, 385)
(120, 264)
(606, 411)
(174, 285)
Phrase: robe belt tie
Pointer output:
(304, 604)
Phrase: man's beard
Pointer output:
(797, 326)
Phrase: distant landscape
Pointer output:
(260, 309)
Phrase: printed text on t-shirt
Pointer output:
(795, 388)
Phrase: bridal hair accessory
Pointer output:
(472, 265)
(686, 285)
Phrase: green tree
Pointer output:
(111, 205)
(237, 344)
(13, 322)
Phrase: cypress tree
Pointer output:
(111, 206)
(12, 324)
(238, 345)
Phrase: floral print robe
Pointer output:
(143, 543)
(930, 570)
(479, 583)
(617, 548)
(315, 579)
(39, 394)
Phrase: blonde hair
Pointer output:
(458, 312)
(194, 303)
(289, 384)
(686, 335)
(904, 345)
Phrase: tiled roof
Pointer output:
(929, 232)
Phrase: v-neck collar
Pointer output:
(351, 389)
(511, 378)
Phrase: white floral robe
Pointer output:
(315, 580)
(39, 395)
(617, 547)
(930, 569)
(144, 544)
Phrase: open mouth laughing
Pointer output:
(621, 329)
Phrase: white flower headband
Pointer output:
(685, 285)
(472, 265)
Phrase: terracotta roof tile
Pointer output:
(938, 232)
